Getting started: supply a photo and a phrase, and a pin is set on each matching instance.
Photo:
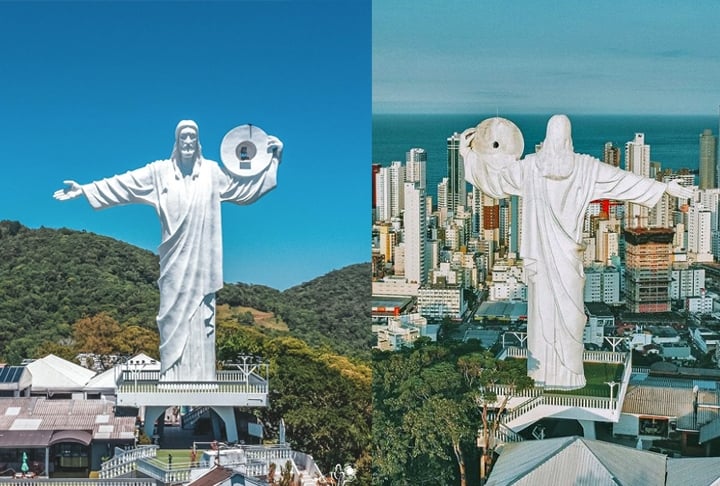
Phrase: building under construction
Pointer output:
(647, 269)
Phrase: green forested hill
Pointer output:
(49, 279)
(66, 292)
(332, 310)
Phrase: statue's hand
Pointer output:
(275, 146)
(466, 140)
(681, 192)
(72, 191)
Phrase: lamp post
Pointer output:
(612, 385)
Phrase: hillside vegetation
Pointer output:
(50, 279)
(68, 292)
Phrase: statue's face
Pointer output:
(187, 143)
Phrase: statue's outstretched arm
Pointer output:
(681, 192)
(72, 191)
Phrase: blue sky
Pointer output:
(92, 89)
(471, 56)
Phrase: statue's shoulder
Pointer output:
(160, 164)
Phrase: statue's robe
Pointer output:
(551, 248)
(190, 253)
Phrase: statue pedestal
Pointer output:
(143, 389)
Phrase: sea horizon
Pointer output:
(673, 139)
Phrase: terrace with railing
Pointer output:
(39, 481)
(250, 460)
(124, 461)
(245, 386)
(597, 401)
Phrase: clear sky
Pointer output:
(528, 56)
(93, 89)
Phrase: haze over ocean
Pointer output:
(673, 140)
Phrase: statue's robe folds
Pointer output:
(190, 253)
(551, 248)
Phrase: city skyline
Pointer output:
(528, 57)
(94, 89)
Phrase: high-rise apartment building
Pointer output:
(602, 284)
(389, 191)
(606, 235)
(708, 160)
(491, 219)
(477, 212)
(647, 269)
(611, 154)
(442, 194)
(415, 166)
(382, 195)
(414, 234)
(686, 282)
(457, 187)
(637, 161)
(387, 240)
(699, 244)
(375, 170)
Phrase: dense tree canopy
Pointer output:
(67, 292)
(427, 410)
(50, 279)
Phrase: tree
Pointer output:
(423, 417)
(132, 340)
(97, 334)
(440, 421)
(482, 372)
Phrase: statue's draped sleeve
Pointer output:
(497, 176)
(246, 190)
(135, 186)
(614, 183)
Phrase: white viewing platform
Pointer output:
(601, 402)
(138, 384)
(231, 388)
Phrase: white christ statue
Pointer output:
(556, 186)
(186, 191)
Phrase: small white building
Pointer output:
(401, 331)
(598, 317)
(700, 304)
(507, 281)
(705, 339)
(436, 302)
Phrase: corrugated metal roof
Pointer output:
(578, 461)
(665, 397)
(703, 471)
(25, 438)
(710, 431)
(214, 476)
(95, 417)
(658, 400)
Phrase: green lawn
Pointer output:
(597, 376)
(180, 457)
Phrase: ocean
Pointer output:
(674, 140)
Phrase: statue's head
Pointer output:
(555, 157)
(187, 142)
(558, 137)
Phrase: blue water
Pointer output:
(673, 140)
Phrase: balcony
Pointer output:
(245, 387)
